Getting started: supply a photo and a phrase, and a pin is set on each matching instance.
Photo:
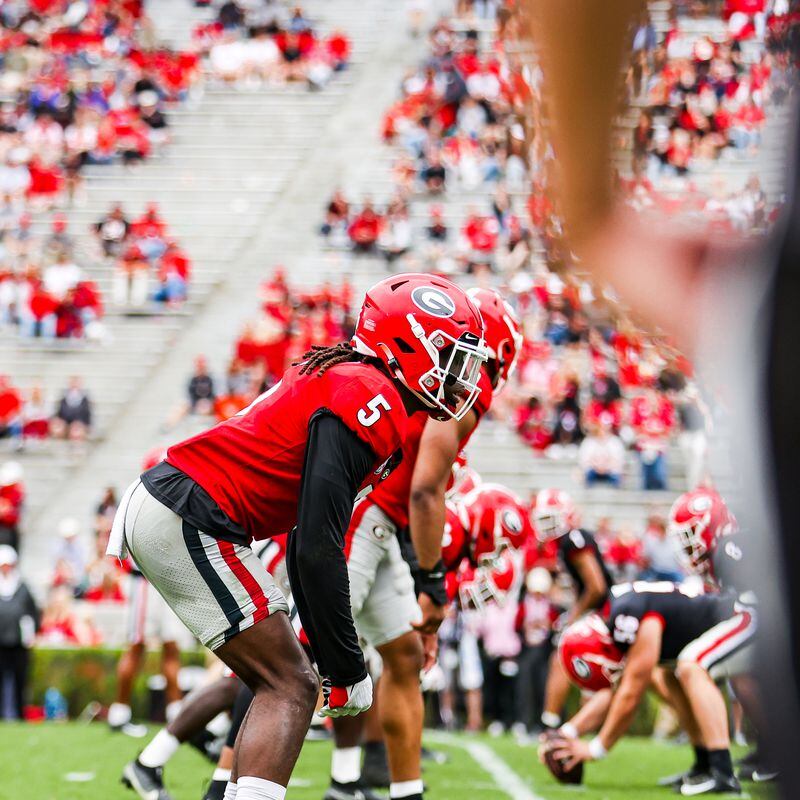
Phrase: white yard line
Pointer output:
(486, 758)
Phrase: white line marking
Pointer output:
(486, 758)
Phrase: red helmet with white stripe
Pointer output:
(502, 332)
(697, 520)
(494, 518)
(429, 335)
(552, 514)
(588, 654)
(454, 537)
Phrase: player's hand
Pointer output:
(571, 752)
(430, 647)
(547, 740)
(432, 615)
(346, 701)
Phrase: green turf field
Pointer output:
(73, 761)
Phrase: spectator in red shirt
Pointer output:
(653, 420)
(10, 410)
(173, 275)
(532, 425)
(365, 228)
(151, 232)
(338, 48)
(624, 556)
(12, 496)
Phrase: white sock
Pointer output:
(172, 710)
(220, 725)
(259, 789)
(160, 750)
(118, 714)
(221, 775)
(230, 791)
(346, 764)
(405, 789)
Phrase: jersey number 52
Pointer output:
(369, 415)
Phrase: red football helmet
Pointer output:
(697, 520)
(502, 332)
(588, 654)
(494, 518)
(463, 478)
(492, 583)
(430, 336)
(552, 514)
(454, 537)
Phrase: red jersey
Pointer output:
(251, 465)
(392, 495)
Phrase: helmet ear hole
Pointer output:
(403, 345)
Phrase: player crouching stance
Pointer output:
(295, 460)
(697, 639)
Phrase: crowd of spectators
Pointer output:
(143, 252)
(82, 84)
(27, 418)
(702, 97)
(290, 321)
(252, 44)
(590, 387)
(45, 291)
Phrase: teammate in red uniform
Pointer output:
(295, 460)
(488, 528)
(385, 608)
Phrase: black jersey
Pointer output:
(684, 617)
(580, 541)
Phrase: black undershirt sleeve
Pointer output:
(336, 463)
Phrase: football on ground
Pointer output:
(75, 761)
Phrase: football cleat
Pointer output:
(147, 782)
(132, 729)
(676, 781)
(350, 791)
(764, 774)
(711, 782)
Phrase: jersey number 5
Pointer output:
(372, 413)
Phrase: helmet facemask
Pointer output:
(692, 549)
(549, 524)
(455, 371)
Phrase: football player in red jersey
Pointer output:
(385, 608)
(487, 529)
(295, 460)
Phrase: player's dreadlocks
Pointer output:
(319, 359)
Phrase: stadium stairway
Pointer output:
(242, 187)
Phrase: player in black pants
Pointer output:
(554, 516)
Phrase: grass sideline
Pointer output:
(51, 761)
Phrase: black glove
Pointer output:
(431, 583)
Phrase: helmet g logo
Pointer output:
(433, 301)
(582, 669)
(511, 520)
